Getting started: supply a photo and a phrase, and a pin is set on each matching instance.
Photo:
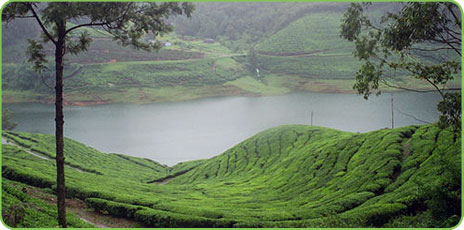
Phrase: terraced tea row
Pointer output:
(288, 176)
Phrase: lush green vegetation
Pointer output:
(309, 47)
(337, 66)
(315, 32)
(297, 47)
(21, 210)
(147, 81)
(240, 26)
(289, 176)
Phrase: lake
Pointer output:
(174, 132)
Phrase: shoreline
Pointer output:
(147, 100)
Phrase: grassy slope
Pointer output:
(309, 47)
(314, 32)
(290, 176)
(108, 73)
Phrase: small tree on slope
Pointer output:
(127, 22)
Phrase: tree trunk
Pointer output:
(59, 122)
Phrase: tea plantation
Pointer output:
(305, 53)
(288, 176)
(24, 211)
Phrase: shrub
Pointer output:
(26, 178)
(113, 208)
(157, 218)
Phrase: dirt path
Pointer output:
(85, 213)
(98, 219)
(92, 223)
(7, 142)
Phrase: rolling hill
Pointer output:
(298, 48)
(288, 176)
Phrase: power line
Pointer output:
(411, 116)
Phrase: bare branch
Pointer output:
(107, 24)
(436, 49)
(450, 44)
(456, 19)
(26, 16)
(436, 87)
(411, 116)
(385, 82)
(83, 25)
(31, 8)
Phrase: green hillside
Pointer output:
(313, 33)
(288, 176)
(109, 73)
(25, 211)
(309, 47)
(240, 26)
(298, 48)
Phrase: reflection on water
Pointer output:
(181, 131)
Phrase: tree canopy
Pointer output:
(422, 40)
(127, 22)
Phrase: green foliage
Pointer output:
(336, 66)
(21, 210)
(7, 124)
(240, 26)
(127, 23)
(113, 208)
(36, 55)
(312, 33)
(156, 218)
(158, 80)
(450, 109)
(421, 39)
(443, 197)
(252, 61)
(313, 59)
(288, 176)
(353, 21)
(80, 44)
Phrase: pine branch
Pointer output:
(31, 8)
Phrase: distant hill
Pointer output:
(297, 48)
(240, 26)
(313, 33)
(288, 176)
(309, 47)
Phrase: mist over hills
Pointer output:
(296, 46)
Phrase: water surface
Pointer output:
(173, 132)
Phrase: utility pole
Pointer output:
(393, 121)
(311, 118)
